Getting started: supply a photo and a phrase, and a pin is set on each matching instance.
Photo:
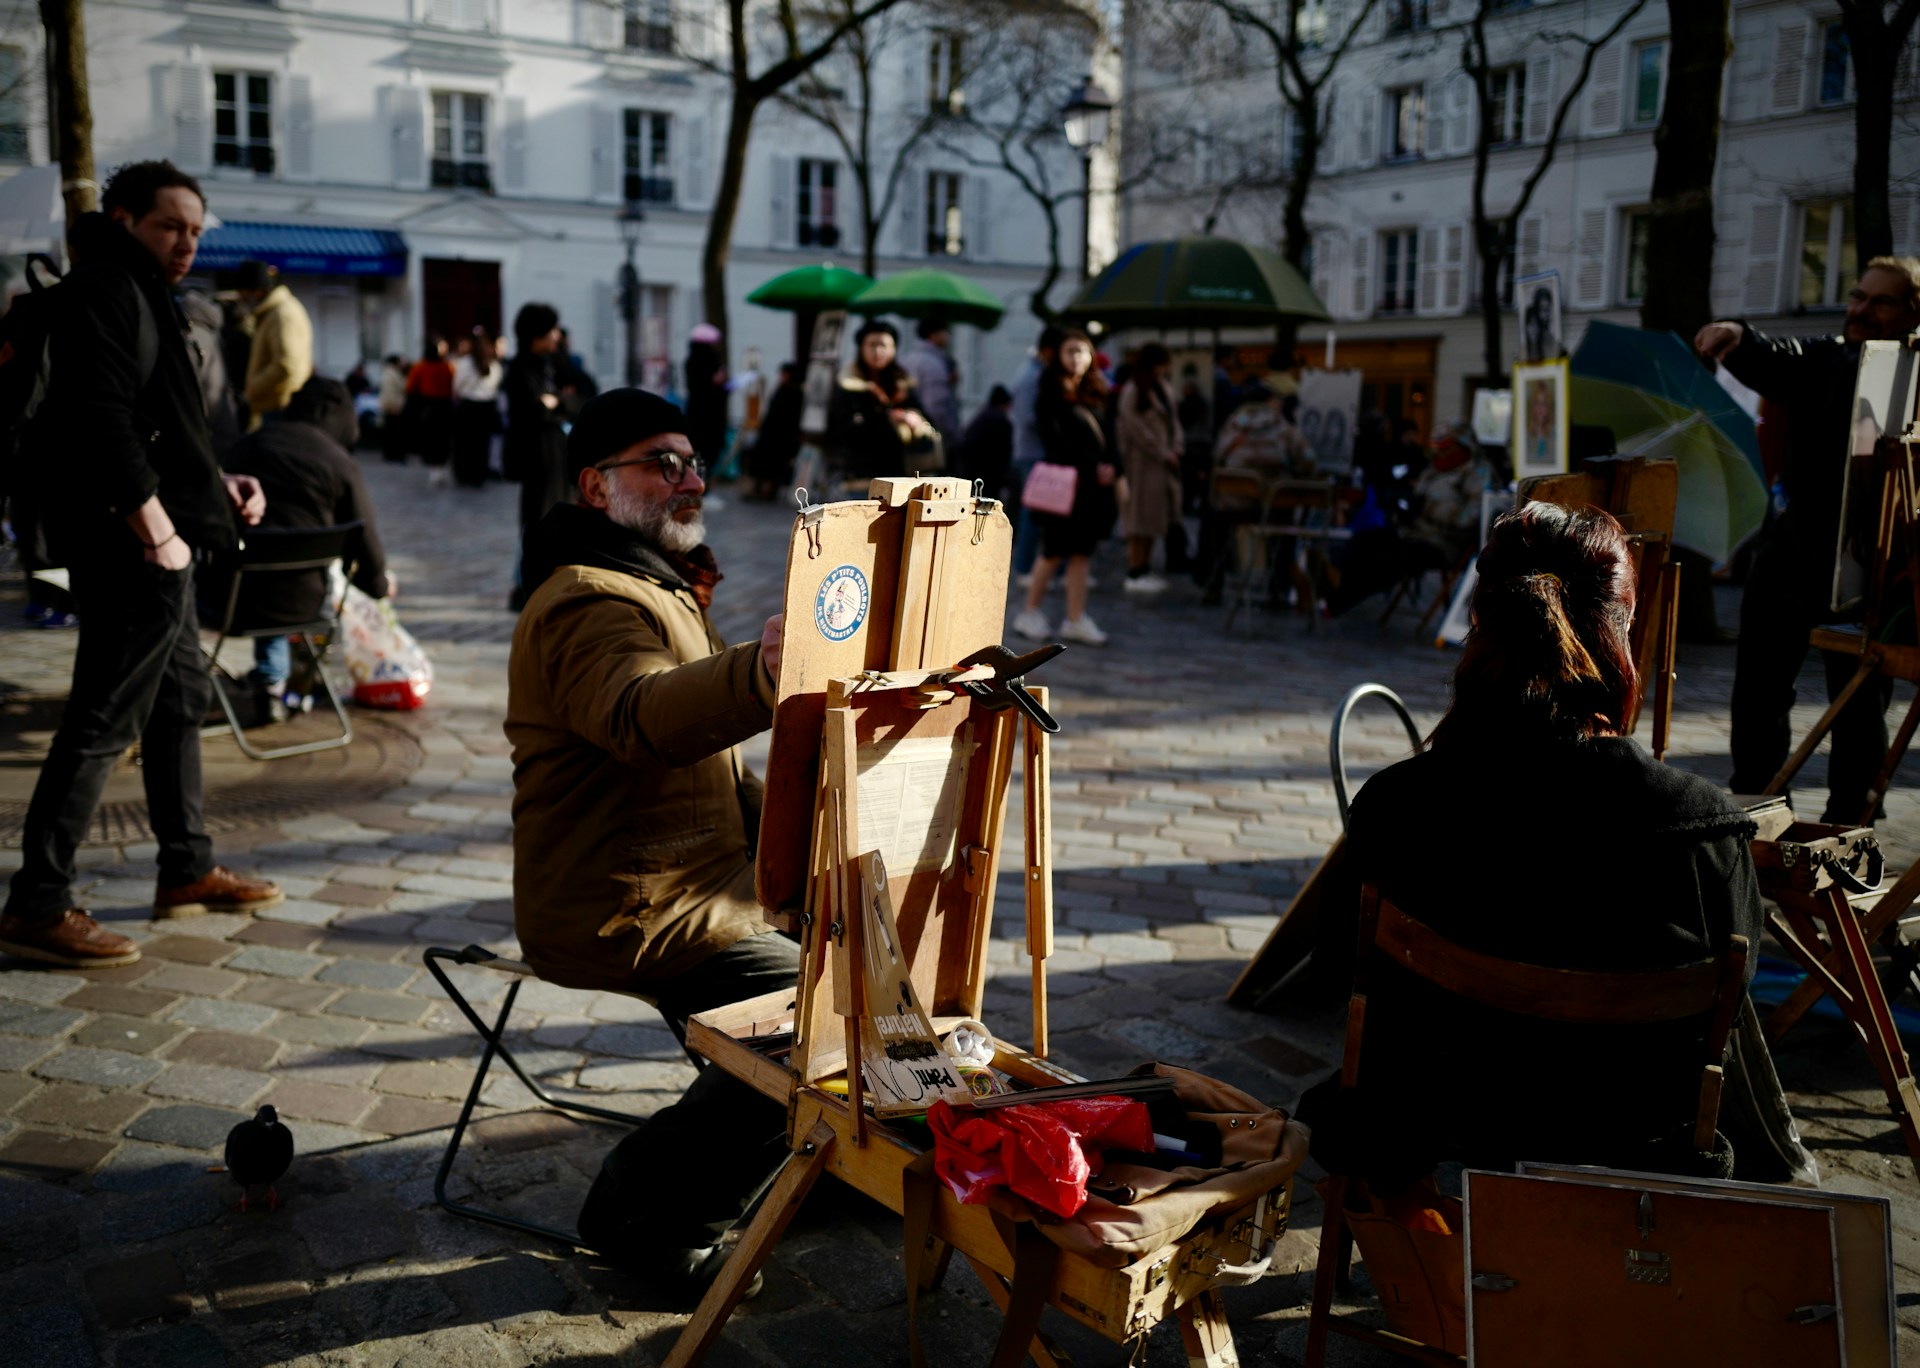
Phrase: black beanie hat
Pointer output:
(616, 419)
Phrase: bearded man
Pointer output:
(634, 819)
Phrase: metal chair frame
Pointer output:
(1275, 495)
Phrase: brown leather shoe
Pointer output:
(76, 941)
(221, 890)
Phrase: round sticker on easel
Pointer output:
(841, 605)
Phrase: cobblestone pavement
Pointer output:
(1191, 798)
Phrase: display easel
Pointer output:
(888, 783)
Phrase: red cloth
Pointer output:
(1044, 1151)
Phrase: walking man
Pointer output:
(281, 359)
(132, 501)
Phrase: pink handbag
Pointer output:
(1050, 489)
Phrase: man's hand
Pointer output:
(770, 636)
(247, 498)
(1716, 340)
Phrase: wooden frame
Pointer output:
(1540, 426)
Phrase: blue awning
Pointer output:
(300, 250)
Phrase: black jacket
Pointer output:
(534, 450)
(121, 441)
(310, 480)
(1813, 379)
(861, 434)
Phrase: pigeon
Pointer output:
(258, 1152)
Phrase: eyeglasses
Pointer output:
(673, 466)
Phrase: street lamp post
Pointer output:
(631, 218)
(1087, 117)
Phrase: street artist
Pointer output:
(1789, 588)
(1533, 830)
(634, 818)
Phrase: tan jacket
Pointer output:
(632, 812)
(282, 357)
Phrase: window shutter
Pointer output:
(1360, 298)
(1539, 96)
(1766, 232)
(1326, 247)
(599, 23)
(916, 91)
(784, 201)
(513, 144)
(440, 13)
(607, 149)
(1433, 119)
(1460, 104)
(1427, 301)
(1530, 246)
(1366, 141)
(913, 194)
(696, 180)
(1604, 90)
(407, 121)
(606, 334)
(192, 116)
(1332, 125)
(1590, 260)
(1900, 214)
(692, 36)
(1453, 268)
(975, 202)
(1789, 92)
(297, 139)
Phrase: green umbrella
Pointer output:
(825, 286)
(1196, 282)
(930, 294)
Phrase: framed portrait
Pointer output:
(1536, 298)
(1539, 419)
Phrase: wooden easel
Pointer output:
(878, 744)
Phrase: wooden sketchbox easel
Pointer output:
(878, 749)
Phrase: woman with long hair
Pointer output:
(1147, 432)
(1068, 412)
(476, 415)
(1534, 829)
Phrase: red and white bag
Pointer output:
(388, 668)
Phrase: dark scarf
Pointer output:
(571, 534)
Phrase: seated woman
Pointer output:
(1533, 830)
(1443, 519)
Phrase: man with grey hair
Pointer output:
(634, 818)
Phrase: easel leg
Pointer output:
(1205, 1334)
(1664, 655)
(1869, 666)
(1895, 754)
(1882, 920)
(1044, 1351)
(1331, 1265)
(1875, 1023)
(790, 1189)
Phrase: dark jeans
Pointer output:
(689, 1173)
(1787, 598)
(138, 675)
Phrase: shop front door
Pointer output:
(461, 296)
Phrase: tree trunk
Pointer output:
(1491, 237)
(70, 118)
(726, 208)
(1679, 252)
(1875, 58)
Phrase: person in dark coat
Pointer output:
(132, 499)
(534, 452)
(1072, 401)
(706, 376)
(1533, 829)
(301, 457)
(986, 448)
(875, 410)
(770, 459)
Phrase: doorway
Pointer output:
(461, 296)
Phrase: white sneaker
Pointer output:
(1145, 584)
(1084, 630)
(1033, 625)
(1025, 581)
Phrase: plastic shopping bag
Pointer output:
(388, 668)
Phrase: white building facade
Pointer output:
(416, 165)
(1391, 207)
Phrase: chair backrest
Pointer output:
(268, 550)
(1710, 988)
(1240, 485)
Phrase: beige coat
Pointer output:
(282, 357)
(632, 812)
(1147, 442)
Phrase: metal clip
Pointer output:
(983, 508)
(1645, 1217)
(1157, 1274)
(1649, 1266)
(810, 516)
(1812, 1315)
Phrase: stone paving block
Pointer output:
(132, 1034)
(351, 895)
(102, 1068)
(457, 931)
(423, 1078)
(30, 1019)
(199, 980)
(177, 1346)
(426, 1040)
(368, 876)
(23, 1052)
(56, 1330)
(492, 871)
(343, 1068)
(512, 1285)
(189, 949)
(378, 1007)
(399, 1304)
(405, 1115)
(301, 912)
(265, 1283)
(443, 812)
(495, 910)
(186, 1126)
(1162, 1039)
(344, 1231)
(211, 1084)
(318, 1137)
(16, 1088)
(619, 1007)
(47, 1155)
(80, 1108)
(475, 985)
(317, 1030)
(209, 1014)
(293, 964)
(115, 997)
(634, 1042)
(319, 1102)
(132, 1291)
(32, 985)
(359, 973)
(636, 1076)
(289, 995)
(281, 935)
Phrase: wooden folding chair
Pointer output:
(1710, 989)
